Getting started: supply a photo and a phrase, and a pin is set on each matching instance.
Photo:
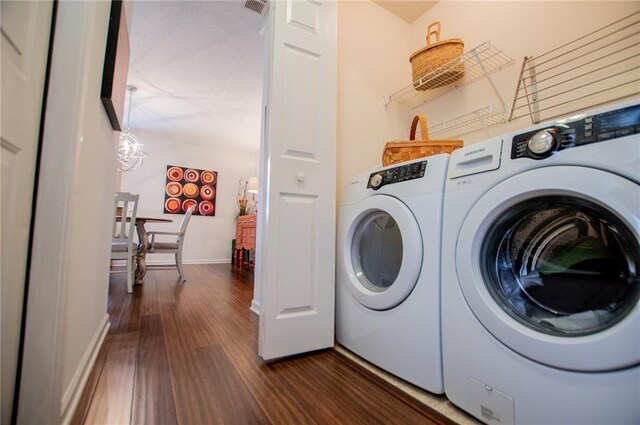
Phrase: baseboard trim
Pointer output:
(164, 263)
(255, 307)
(79, 380)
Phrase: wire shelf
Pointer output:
(596, 68)
(482, 118)
(478, 63)
(468, 123)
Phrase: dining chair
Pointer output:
(172, 247)
(122, 245)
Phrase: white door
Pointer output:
(297, 273)
(25, 40)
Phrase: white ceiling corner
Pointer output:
(198, 69)
(407, 10)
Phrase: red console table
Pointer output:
(245, 238)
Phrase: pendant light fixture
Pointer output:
(130, 153)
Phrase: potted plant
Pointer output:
(246, 206)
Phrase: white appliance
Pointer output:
(388, 269)
(541, 266)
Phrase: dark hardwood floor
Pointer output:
(186, 353)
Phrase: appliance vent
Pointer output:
(257, 6)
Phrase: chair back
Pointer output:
(123, 228)
(185, 220)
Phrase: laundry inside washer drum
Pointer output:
(562, 266)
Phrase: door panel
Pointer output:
(295, 299)
(297, 243)
(24, 37)
(300, 136)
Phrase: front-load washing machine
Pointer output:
(388, 269)
(540, 278)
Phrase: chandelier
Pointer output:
(130, 152)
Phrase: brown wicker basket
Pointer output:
(444, 54)
(400, 151)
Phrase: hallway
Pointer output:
(186, 353)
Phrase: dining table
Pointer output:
(143, 244)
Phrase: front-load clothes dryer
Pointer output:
(540, 277)
(388, 269)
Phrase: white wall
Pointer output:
(208, 239)
(520, 28)
(91, 206)
(91, 209)
(372, 63)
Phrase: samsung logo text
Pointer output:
(473, 152)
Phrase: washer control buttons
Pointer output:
(574, 133)
(375, 180)
(542, 142)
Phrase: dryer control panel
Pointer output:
(582, 130)
(398, 174)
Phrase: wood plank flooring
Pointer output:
(186, 353)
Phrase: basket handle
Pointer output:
(433, 29)
(424, 133)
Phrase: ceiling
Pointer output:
(198, 68)
(408, 11)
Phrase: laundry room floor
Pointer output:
(186, 353)
(437, 402)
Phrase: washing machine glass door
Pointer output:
(557, 256)
(384, 252)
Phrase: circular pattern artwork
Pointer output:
(206, 208)
(173, 189)
(186, 187)
(192, 175)
(190, 190)
(175, 174)
(207, 192)
(188, 203)
(208, 177)
(172, 205)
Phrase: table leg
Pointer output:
(141, 257)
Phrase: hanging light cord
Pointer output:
(130, 89)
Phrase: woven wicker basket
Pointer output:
(442, 58)
(400, 151)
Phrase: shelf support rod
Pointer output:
(483, 123)
(518, 88)
(488, 77)
(535, 114)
